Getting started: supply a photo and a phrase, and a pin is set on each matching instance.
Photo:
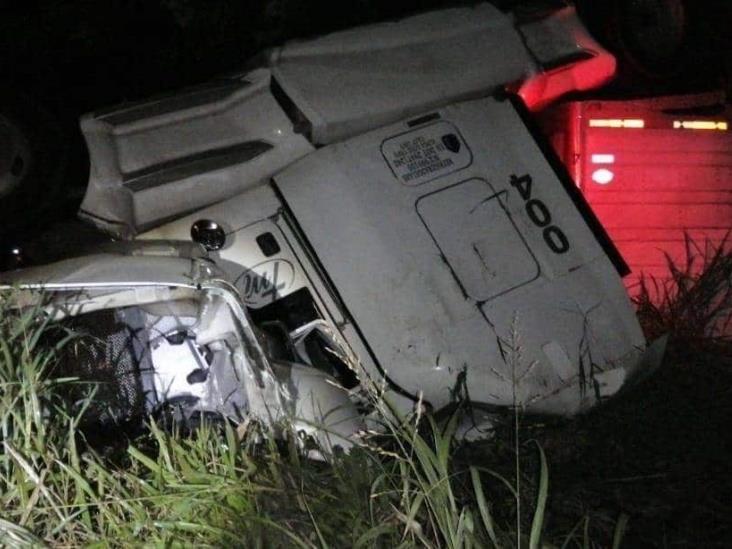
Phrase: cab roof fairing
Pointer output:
(164, 158)
(356, 80)
(159, 159)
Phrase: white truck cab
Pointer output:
(384, 184)
(439, 247)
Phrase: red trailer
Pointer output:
(653, 170)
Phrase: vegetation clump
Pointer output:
(648, 468)
(221, 484)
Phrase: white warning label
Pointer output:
(426, 153)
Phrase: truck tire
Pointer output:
(33, 163)
(649, 37)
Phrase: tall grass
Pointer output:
(694, 303)
(410, 485)
(224, 485)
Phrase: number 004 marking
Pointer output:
(538, 212)
(540, 216)
(556, 239)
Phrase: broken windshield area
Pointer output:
(178, 353)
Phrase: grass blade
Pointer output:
(620, 527)
(537, 524)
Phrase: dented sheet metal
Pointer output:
(480, 262)
(184, 351)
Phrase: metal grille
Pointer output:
(108, 355)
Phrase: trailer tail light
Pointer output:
(603, 159)
(617, 123)
(603, 176)
(700, 125)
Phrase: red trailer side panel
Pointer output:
(653, 170)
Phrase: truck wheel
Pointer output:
(33, 158)
(651, 34)
(15, 156)
(649, 37)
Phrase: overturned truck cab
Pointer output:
(378, 195)
(474, 264)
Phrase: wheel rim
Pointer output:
(15, 156)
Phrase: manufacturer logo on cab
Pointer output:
(266, 281)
